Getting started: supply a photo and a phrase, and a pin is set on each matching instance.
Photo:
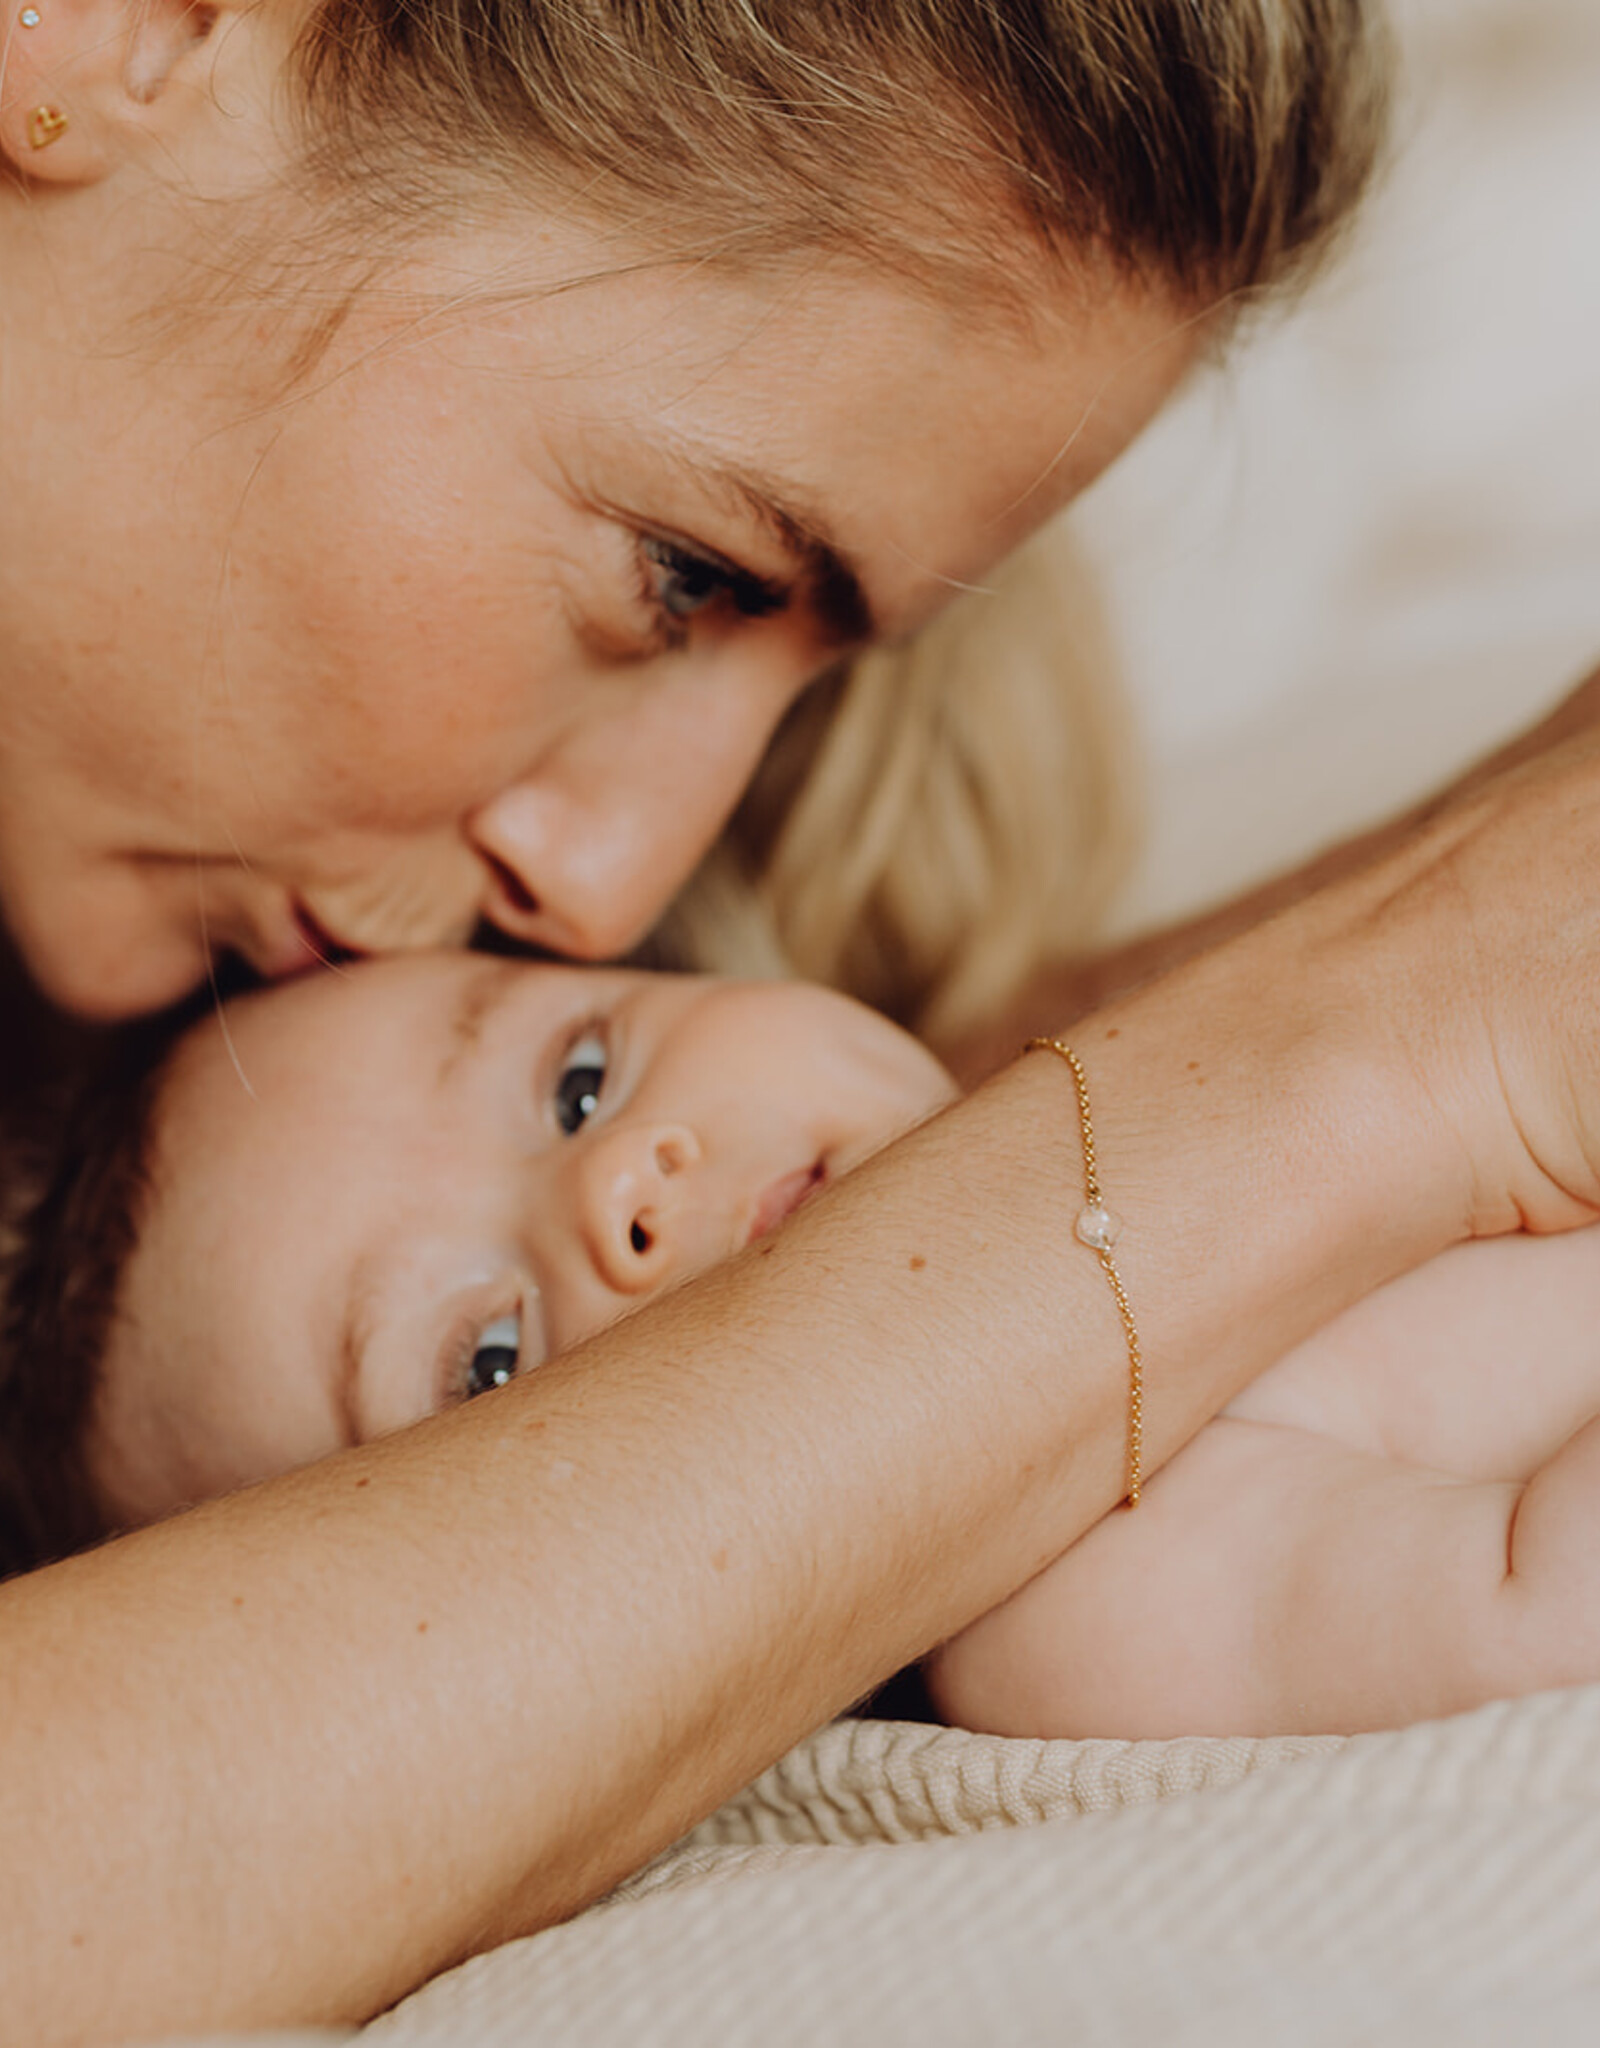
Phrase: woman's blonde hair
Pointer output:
(941, 819)
(936, 821)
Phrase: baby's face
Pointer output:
(378, 1193)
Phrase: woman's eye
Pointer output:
(578, 1086)
(683, 583)
(495, 1357)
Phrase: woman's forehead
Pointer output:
(773, 347)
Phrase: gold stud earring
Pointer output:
(45, 125)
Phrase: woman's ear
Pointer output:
(81, 81)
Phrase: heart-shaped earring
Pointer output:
(46, 125)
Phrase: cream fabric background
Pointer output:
(1371, 547)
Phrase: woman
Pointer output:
(438, 450)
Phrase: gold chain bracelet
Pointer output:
(1099, 1229)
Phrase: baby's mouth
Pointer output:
(785, 1196)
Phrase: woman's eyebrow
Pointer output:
(834, 586)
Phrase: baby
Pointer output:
(369, 1195)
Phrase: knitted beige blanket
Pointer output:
(889, 1884)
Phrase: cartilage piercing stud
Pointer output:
(45, 125)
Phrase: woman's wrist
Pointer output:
(1263, 1135)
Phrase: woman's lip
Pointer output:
(784, 1197)
(297, 941)
(321, 944)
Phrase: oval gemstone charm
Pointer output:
(1098, 1228)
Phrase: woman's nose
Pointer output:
(636, 1203)
(586, 852)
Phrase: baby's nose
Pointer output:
(639, 1194)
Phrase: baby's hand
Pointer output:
(1551, 1594)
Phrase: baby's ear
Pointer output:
(82, 82)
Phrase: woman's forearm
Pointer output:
(281, 1758)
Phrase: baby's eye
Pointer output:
(495, 1357)
(578, 1086)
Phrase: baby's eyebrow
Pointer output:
(363, 1301)
(481, 995)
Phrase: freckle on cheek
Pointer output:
(719, 1560)
(918, 1262)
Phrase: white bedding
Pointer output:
(1364, 556)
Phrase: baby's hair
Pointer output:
(75, 1188)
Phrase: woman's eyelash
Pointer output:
(679, 583)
